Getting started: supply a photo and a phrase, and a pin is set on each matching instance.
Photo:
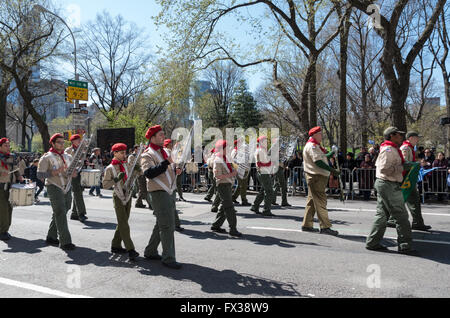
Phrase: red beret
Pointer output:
(167, 142)
(314, 131)
(261, 139)
(119, 147)
(3, 140)
(75, 137)
(152, 131)
(221, 144)
(56, 136)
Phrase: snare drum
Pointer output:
(22, 194)
(90, 178)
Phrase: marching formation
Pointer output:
(157, 173)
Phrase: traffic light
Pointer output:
(66, 97)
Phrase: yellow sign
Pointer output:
(76, 93)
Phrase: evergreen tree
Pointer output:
(245, 110)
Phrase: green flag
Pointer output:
(410, 181)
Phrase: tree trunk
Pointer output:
(3, 101)
(343, 84)
(24, 129)
(313, 92)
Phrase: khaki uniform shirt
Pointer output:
(261, 156)
(50, 162)
(10, 163)
(210, 162)
(389, 165)
(108, 179)
(70, 150)
(311, 154)
(151, 158)
(221, 168)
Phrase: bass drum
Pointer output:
(22, 194)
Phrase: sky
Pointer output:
(140, 12)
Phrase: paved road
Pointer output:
(273, 259)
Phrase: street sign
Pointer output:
(76, 93)
(78, 84)
(75, 110)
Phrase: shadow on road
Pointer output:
(258, 240)
(19, 245)
(92, 225)
(214, 281)
(431, 251)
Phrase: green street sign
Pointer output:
(78, 84)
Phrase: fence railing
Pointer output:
(357, 182)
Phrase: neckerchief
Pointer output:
(6, 156)
(407, 143)
(156, 148)
(313, 141)
(390, 143)
(224, 157)
(116, 162)
(60, 154)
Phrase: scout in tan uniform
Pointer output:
(6, 179)
(78, 207)
(264, 167)
(317, 174)
(413, 201)
(52, 167)
(390, 166)
(224, 175)
(161, 174)
(116, 175)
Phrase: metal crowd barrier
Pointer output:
(435, 183)
(359, 182)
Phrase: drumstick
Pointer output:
(13, 171)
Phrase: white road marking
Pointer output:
(341, 232)
(39, 289)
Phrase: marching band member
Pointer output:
(224, 175)
(413, 202)
(160, 173)
(210, 163)
(168, 145)
(263, 165)
(280, 183)
(241, 189)
(52, 167)
(78, 207)
(317, 174)
(390, 166)
(141, 184)
(6, 179)
(116, 174)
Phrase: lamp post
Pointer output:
(40, 8)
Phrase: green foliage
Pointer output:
(36, 144)
(125, 120)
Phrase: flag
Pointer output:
(423, 173)
(410, 181)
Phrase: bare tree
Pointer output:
(397, 40)
(28, 40)
(113, 60)
(439, 47)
